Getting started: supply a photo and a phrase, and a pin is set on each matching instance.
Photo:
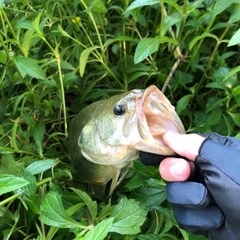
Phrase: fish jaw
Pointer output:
(155, 116)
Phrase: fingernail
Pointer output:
(176, 170)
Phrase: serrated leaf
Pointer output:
(92, 205)
(10, 166)
(29, 192)
(84, 58)
(235, 39)
(40, 166)
(10, 183)
(151, 193)
(145, 48)
(28, 66)
(129, 216)
(53, 212)
(100, 231)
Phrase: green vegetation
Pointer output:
(57, 57)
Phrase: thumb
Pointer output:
(186, 145)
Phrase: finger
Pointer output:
(174, 169)
(186, 145)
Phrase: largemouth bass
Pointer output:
(108, 134)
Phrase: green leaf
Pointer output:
(129, 216)
(235, 117)
(198, 38)
(38, 134)
(140, 3)
(14, 134)
(24, 24)
(145, 48)
(10, 183)
(36, 24)
(235, 39)
(98, 6)
(232, 72)
(84, 59)
(119, 39)
(1, 3)
(183, 103)
(235, 16)
(221, 5)
(106, 211)
(40, 166)
(66, 65)
(92, 205)
(3, 57)
(169, 21)
(100, 231)
(53, 212)
(10, 166)
(28, 194)
(150, 237)
(28, 66)
(151, 193)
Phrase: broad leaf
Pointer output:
(29, 192)
(183, 103)
(129, 216)
(141, 3)
(28, 66)
(204, 35)
(10, 166)
(100, 231)
(235, 39)
(10, 183)
(235, 16)
(98, 6)
(40, 166)
(84, 58)
(145, 48)
(235, 117)
(92, 205)
(53, 212)
(221, 5)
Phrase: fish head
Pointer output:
(116, 129)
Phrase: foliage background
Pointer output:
(57, 57)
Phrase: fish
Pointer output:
(107, 135)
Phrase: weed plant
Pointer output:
(57, 57)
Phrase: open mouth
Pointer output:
(156, 115)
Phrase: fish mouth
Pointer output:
(155, 116)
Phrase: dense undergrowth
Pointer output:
(57, 57)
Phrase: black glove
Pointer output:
(210, 206)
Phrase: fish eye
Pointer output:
(119, 110)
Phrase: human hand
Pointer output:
(209, 206)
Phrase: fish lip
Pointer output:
(143, 127)
(155, 116)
